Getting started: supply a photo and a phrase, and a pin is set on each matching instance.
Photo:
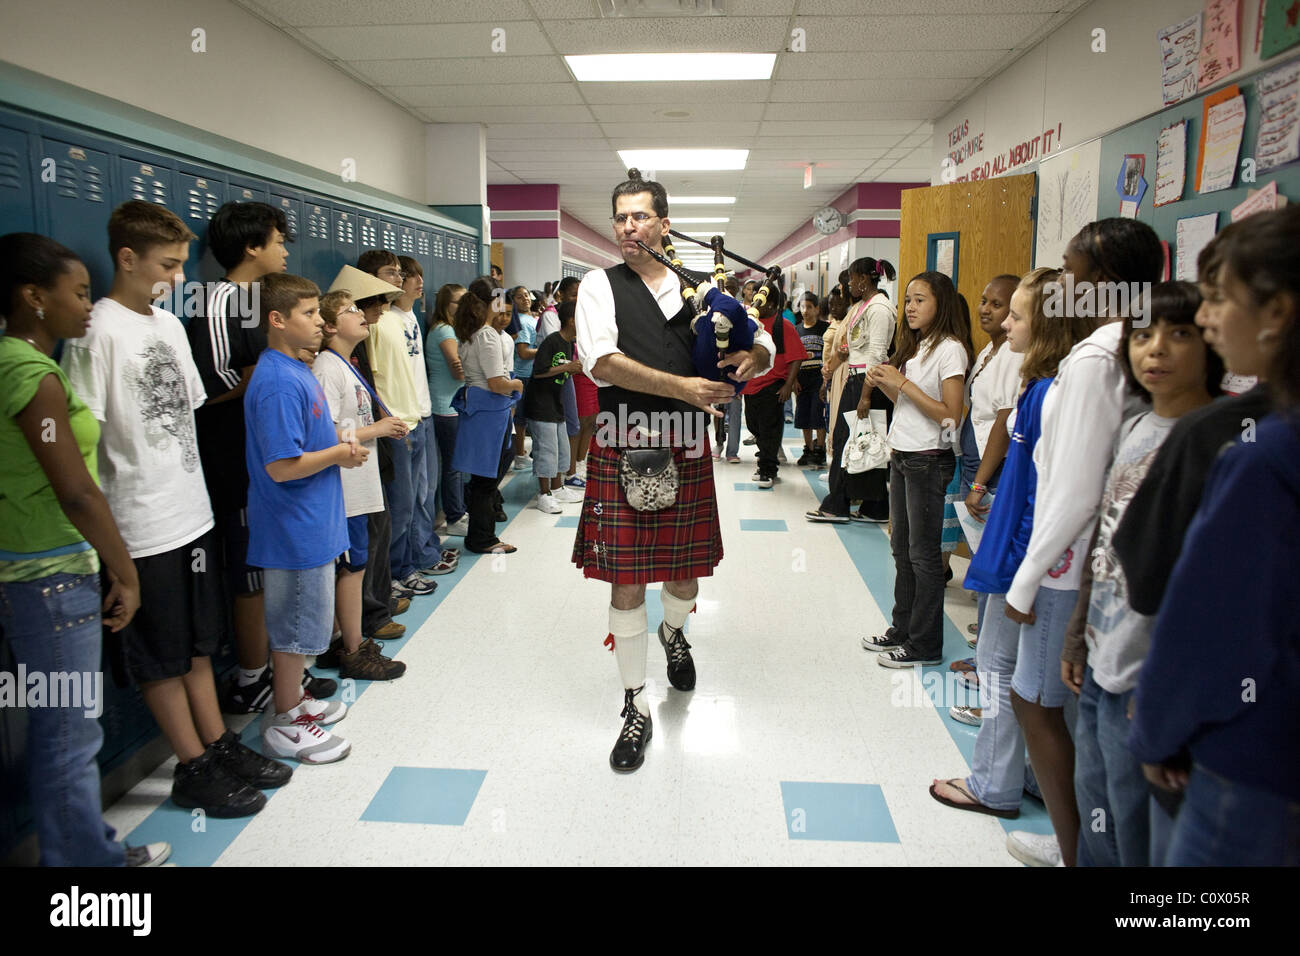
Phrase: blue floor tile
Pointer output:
(763, 524)
(749, 486)
(425, 795)
(568, 521)
(854, 812)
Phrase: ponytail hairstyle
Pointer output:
(947, 322)
(873, 269)
(634, 186)
(1121, 250)
(472, 312)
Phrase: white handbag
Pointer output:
(866, 448)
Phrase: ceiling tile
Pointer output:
(630, 135)
(825, 65)
(464, 71)
(655, 35)
(915, 110)
(872, 90)
(321, 13)
(699, 109)
(937, 34)
(686, 94)
(541, 94)
(503, 114)
(423, 41)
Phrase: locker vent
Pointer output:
(10, 168)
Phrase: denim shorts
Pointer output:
(1038, 660)
(550, 448)
(300, 609)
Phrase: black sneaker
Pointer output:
(249, 699)
(806, 457)
(902, 657)
(629, 752)
(681, 666)
(883, 642)
(319, 687)
(500, 515)
(204, 784)
(247, 764)
(819, 456)
(330, 659)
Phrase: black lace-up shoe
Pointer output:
(204, 783)
(247, 764)
(681, 667)
(629, 752)
(319, 687)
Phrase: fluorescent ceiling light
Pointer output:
(664, 159)
(660, 67)
(690, 219)
(700, 200)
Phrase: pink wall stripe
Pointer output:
(571, 250)
(858, 196)
(528, 196)
(867, 228)
(584, 233)
(515, 229)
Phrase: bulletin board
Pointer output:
(1140, 137)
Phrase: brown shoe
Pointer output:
(367, 663)
(403, 605)
(390, 631)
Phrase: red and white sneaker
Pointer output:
(302, 738)
(321, 711)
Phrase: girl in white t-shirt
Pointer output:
(925, 381)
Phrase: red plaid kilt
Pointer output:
(618, 544)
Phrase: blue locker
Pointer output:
(78, 203)
(345, 241)
(388, 236)
(290, 203)
(246, 190)
(148, 181)
(201, 191)
(405, 242)
(17, 209)
(367, 232)
(312, 255)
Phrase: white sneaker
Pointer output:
(548, 505)
(301, 738)
(581, 470)
(1034, 849)
(321, 711)
(780, 456)
(458, 528)
(522, 463)
(566, 495)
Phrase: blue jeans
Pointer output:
(1225, 823)
(1038, 662)
(451, 487)
(1108, 778)
(734, 416)
(997, 770)
(426, 546)
(916, 484)
(53, 626)
(406, 502)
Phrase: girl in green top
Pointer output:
(54, 521)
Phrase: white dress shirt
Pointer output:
(598, 332)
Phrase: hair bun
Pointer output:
(634, 175)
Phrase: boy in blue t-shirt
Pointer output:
(296, 519)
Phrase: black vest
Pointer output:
(645, 337)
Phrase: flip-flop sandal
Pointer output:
(502, 548)
(963, 665)
(975, 806)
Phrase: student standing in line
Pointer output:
(445, 372)
(924, 380)
(296, 518)
(1167, 361)
(997, 778)
(1218, 697)
(352, 407)
(523, 329)
(135, 373)
(483, 448)
(543, 407)
(809, 410)
(1082, 412)
(766, 394)
(55, 528)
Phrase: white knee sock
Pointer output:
(676, 609)
(629, 631)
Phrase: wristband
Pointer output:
(976, 486)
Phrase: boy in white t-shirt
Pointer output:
(353, 409)
(135, 372)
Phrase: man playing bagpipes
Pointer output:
(651, 512)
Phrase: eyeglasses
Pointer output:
(401, 276)
(637, 217)
(350, 309)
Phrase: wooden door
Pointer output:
(992, 219)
